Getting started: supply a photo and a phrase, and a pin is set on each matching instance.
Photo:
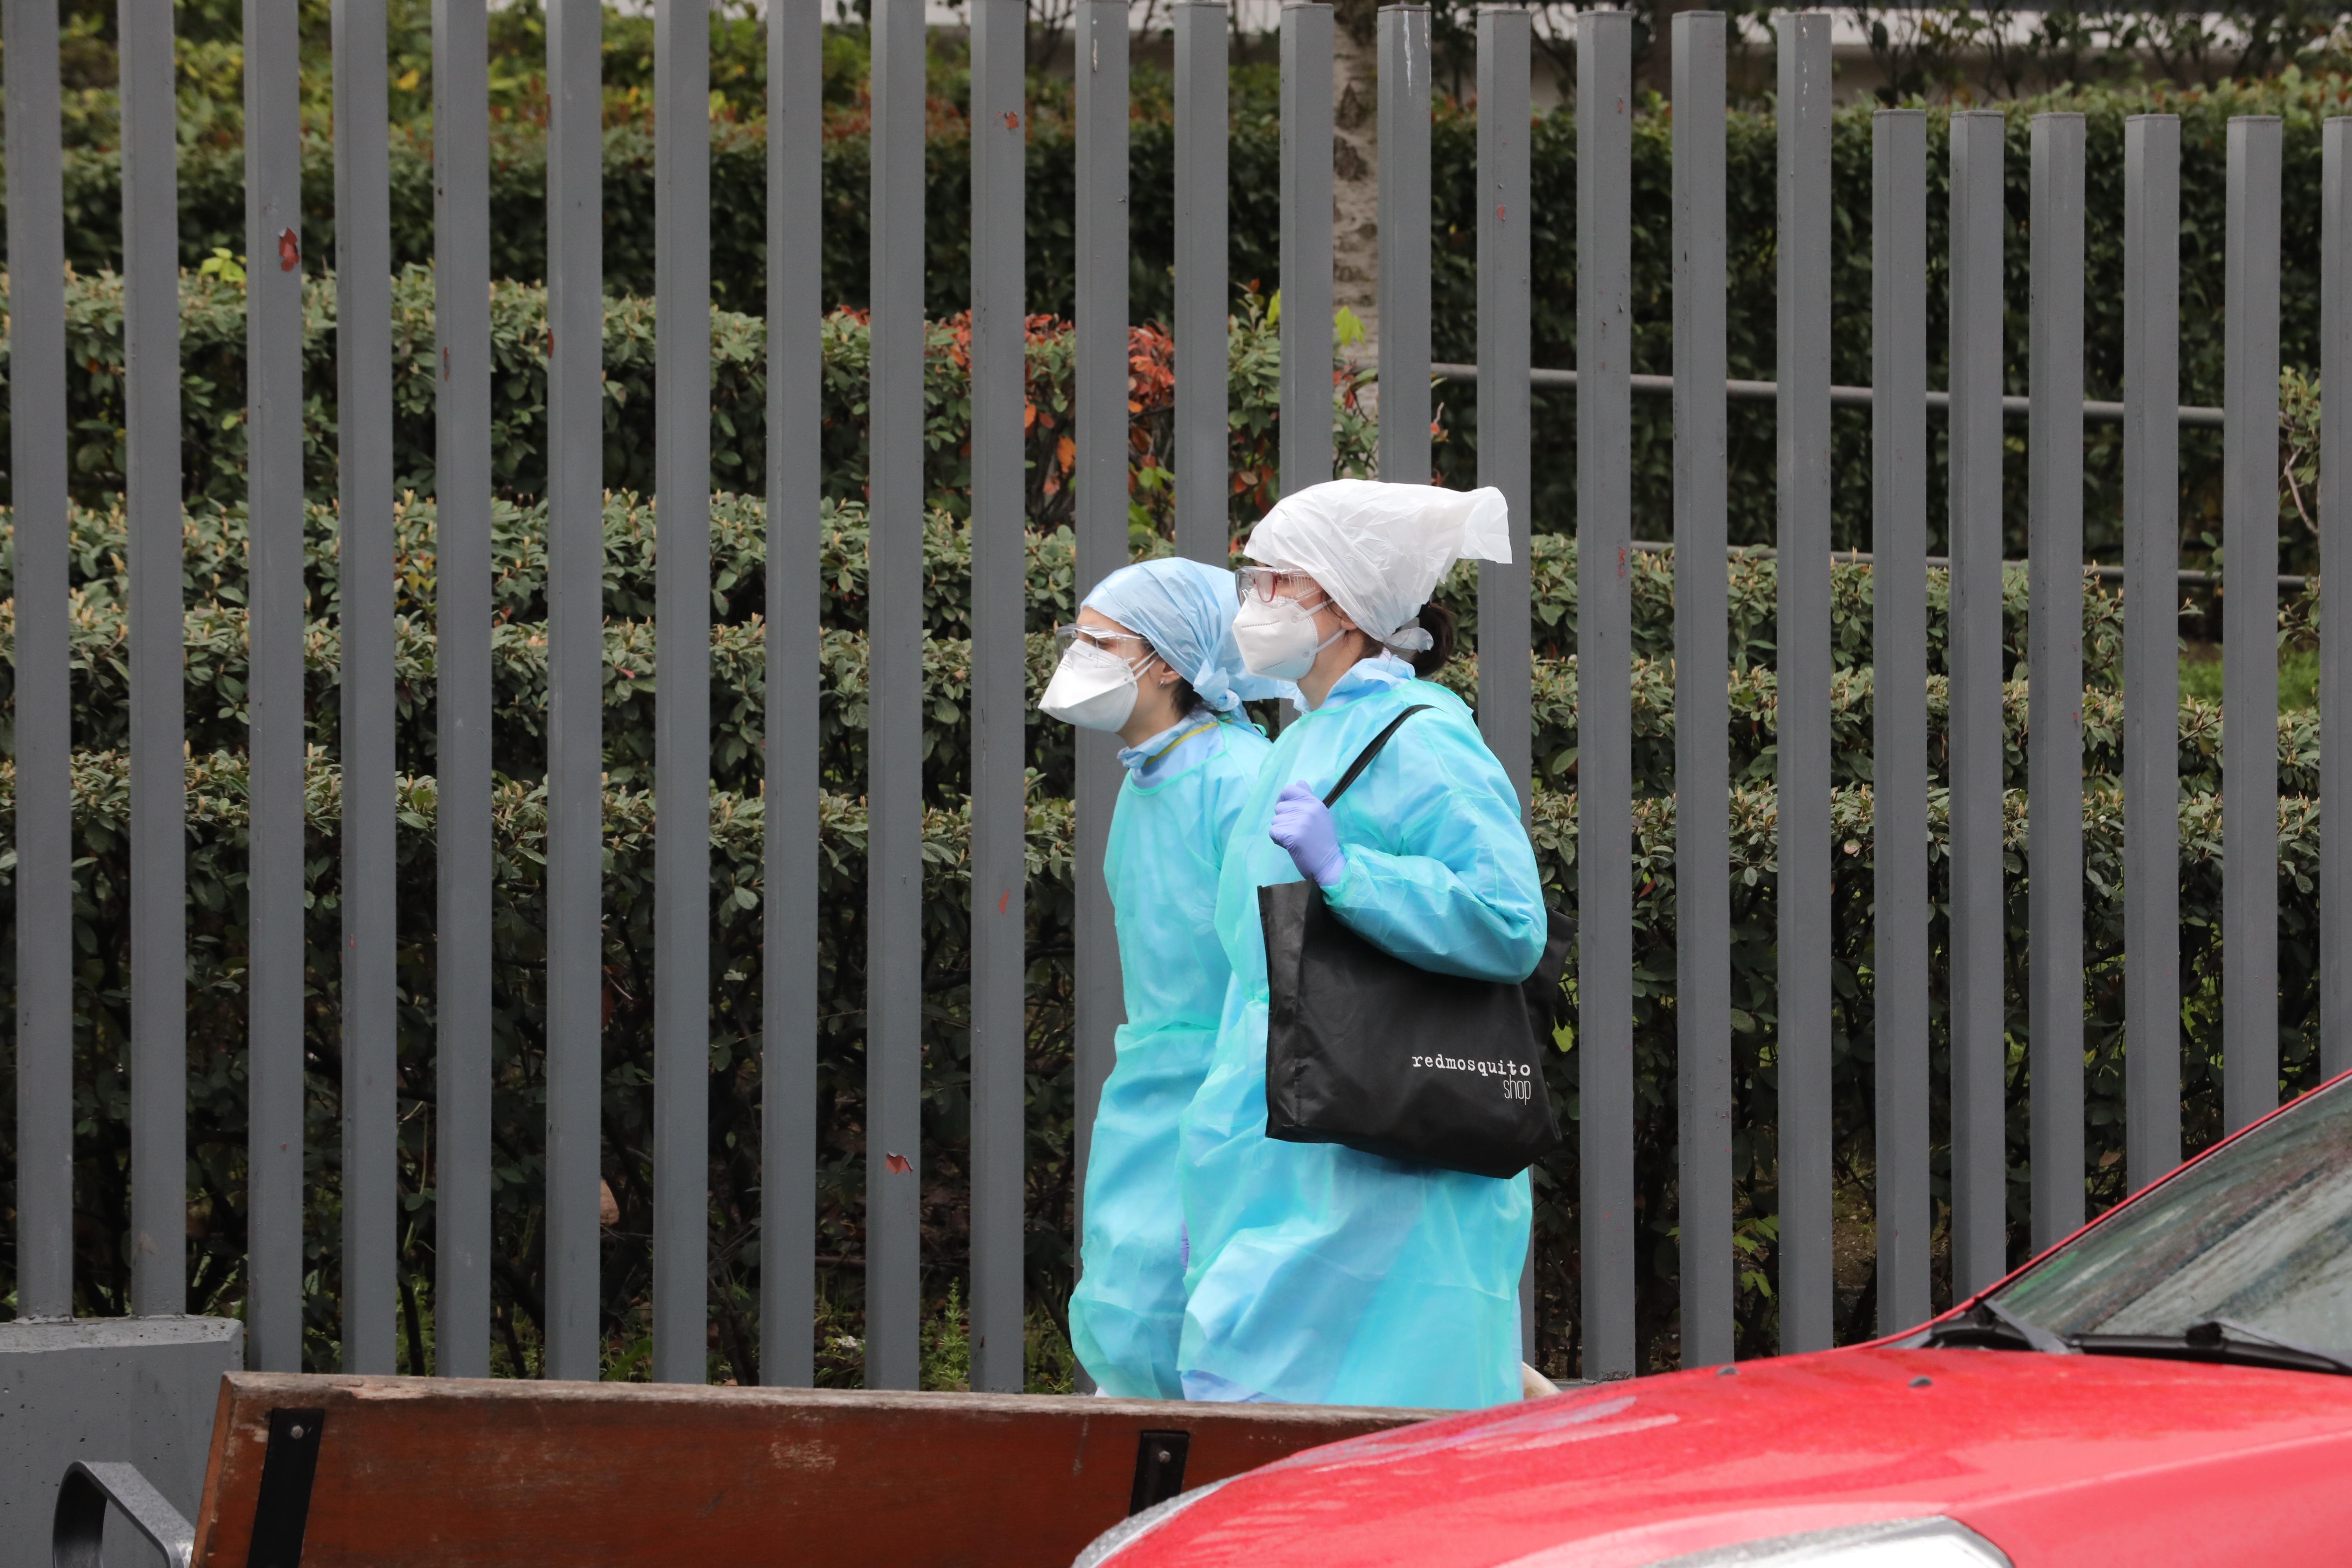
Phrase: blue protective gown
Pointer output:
(1319, 1274)
(1168, 838)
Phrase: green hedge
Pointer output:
(1753, 918)
(218, 825)
(216, 655)
(213, 387)
(211, 217)
(211, 200)
(214, 578)
(213, 394)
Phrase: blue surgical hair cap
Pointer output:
(1185, 610)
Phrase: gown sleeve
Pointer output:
(1440, 872)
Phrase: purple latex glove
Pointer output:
(1302, 825)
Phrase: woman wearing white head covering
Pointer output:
(1319, 1274)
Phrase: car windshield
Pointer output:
(2258, 1236)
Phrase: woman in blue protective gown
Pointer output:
(1320, 1274)
(1153, 657)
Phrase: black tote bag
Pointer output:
(1367, 1050)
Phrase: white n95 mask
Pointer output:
(1092, 688)
(1277, 637)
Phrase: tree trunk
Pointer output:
(1355, 168)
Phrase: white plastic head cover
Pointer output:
(1380, 550)
(1184, 609)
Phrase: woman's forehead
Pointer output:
(1096, 620)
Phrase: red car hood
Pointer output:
(2056, 1459)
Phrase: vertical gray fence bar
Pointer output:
(159, 791)
(1978, 1029)
(2335, 634)
(1808, 1287)
(681, 1260)
(1305, 238)
(1100, 388)
(893, 963)
(1000, 118)
(461, 303)
(1702, 712)
(363, 442)
(1404, 67)
(576, 681)
(1201, 295)
(1898, 473)
(1505, 695)
(2151, 647)
(274, 741)
(2250, 628)
(2055, 661)
(788, 1150)
(44, 828)
(1506, 415)
(1604, 653)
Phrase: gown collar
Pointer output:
(1171, 749)
(1366, 677)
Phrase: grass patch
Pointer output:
(2298, 675)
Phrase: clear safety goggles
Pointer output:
(1128, 646)
(1267, 584)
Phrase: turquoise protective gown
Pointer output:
(1168, 837)
(1320, 1275)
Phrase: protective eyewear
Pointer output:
(1267, 584)
(1109, 641)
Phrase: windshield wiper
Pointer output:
(2220, 1339)
(1989, 1325)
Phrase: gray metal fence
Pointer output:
(1900, 402)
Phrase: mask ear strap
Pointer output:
(1347, 623)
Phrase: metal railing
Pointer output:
(1740, 390)
(2150, 414)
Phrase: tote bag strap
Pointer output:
(1364, 758)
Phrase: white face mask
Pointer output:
(1092, 688)
(1277, 637)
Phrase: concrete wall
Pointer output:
(138, 1390)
